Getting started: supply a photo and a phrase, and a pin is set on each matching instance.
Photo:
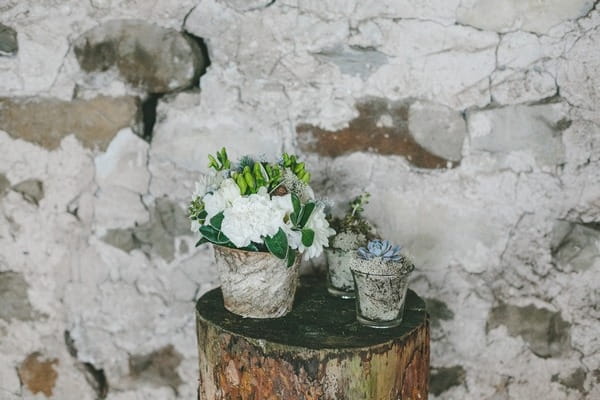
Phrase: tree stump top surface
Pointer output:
(317, 320)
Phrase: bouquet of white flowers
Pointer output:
(260, 206)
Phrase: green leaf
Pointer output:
(296, 203)
(201, 241)
(291, 257)
(213, 235)
(308, 237)
(306, 212)
(250, 247)
(277, 244)
(212, 162)
(217, 220)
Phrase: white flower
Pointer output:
(294, 237)
(207, 183)
(221, 199)
(320, 226)
(250, 219)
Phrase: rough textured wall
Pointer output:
(475, 124)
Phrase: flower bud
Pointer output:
(241, 182)
(249, 179)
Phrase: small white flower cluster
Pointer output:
(249, 219)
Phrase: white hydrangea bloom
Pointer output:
(318, 223)
(222, 198)
(250, 219)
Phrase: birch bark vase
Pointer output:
(317, 351)
(256, 284)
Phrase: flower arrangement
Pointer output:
(259, 206)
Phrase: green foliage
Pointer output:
(291, 162)
(308, 237)
(214, 235)
(291, 257)
(357, 205)
(278, 244)
(252, 175)
(221, 162)
(353, 221)
(196, 211)
(217, 220)
(301, 213)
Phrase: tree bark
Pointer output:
(318, 351)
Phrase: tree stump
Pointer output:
(318, 351)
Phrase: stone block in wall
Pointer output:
(513, 87)
(445, 64)
(384, 127)
(579, 73)
(8, 41)
(575, 245)
(4, 185)
(545, 332)
(439, 129)
(124, 163)
(13, 297)
(32, 190)
(534, 129)
(526, 15)
(167, 221)
(146, 55)
(46, 121)
(38, 375)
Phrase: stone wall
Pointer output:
(475, 124)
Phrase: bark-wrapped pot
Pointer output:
(256, 284)
(380, 288)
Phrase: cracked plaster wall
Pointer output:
(474, 124)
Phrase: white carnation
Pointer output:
(250, 219)
(320, 226)
(222, 198)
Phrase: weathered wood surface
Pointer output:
(318, 351)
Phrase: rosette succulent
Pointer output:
(380, 249)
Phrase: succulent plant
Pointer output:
(380, 249)
(353, 221)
